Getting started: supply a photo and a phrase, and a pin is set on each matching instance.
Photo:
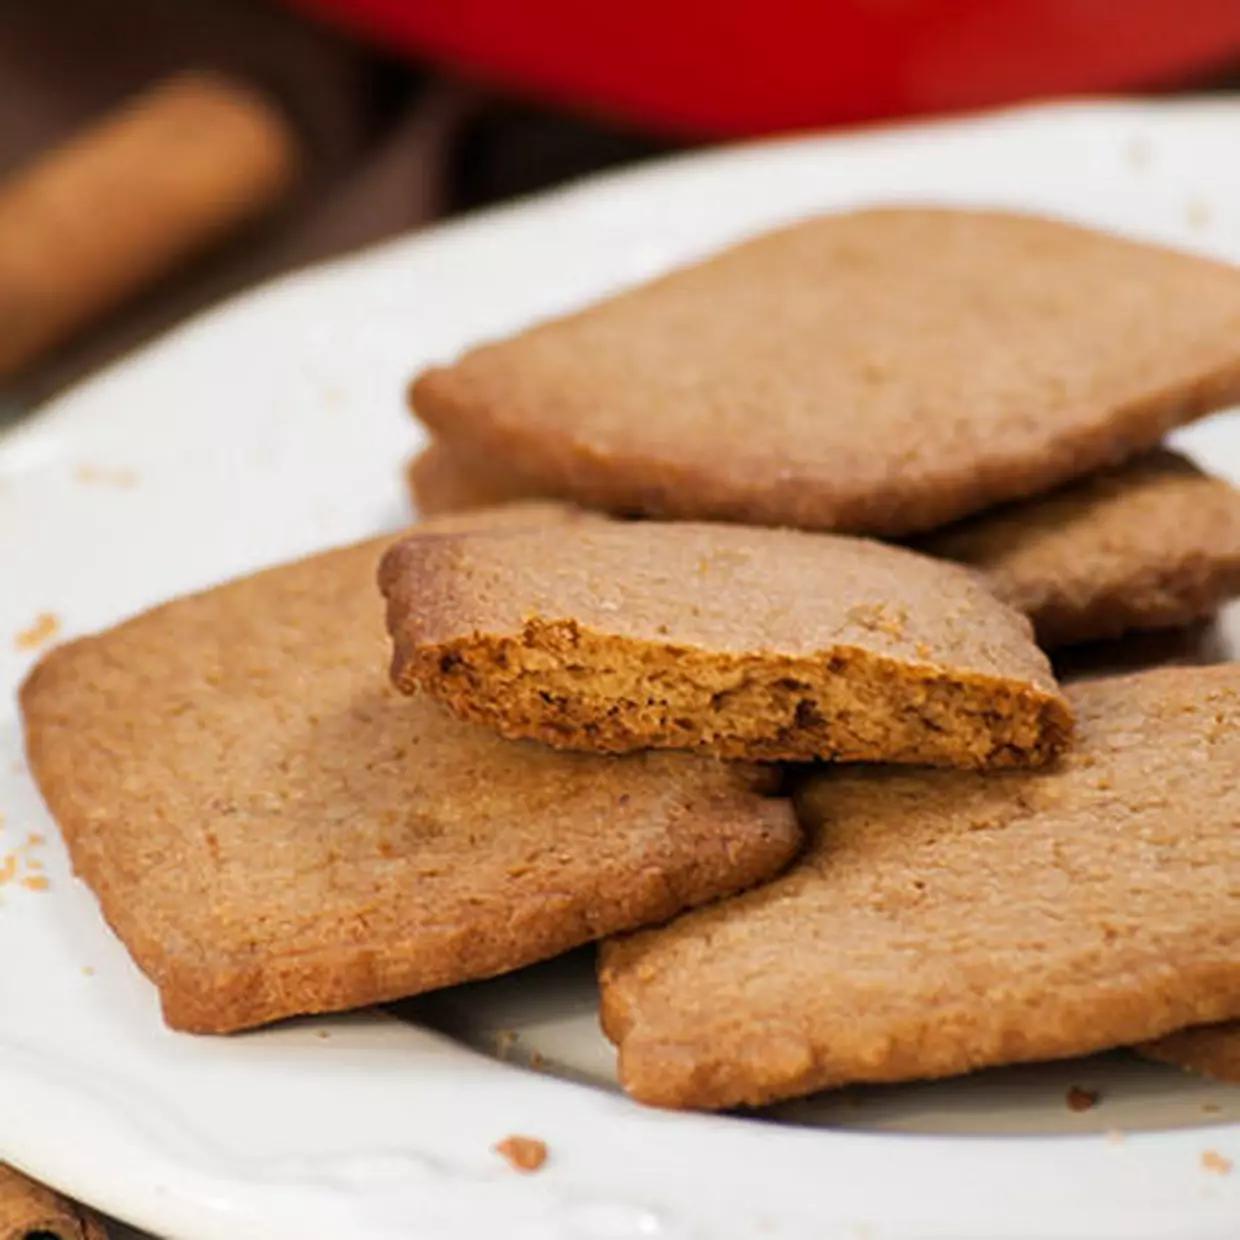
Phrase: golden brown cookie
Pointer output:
(737, 641)
(1151, 544)
(271, 829)
(1211, 1050)
(444, 481)
(509, 515)
(942, 921)
(884, 371)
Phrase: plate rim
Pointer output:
(47, 1157)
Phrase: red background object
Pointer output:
(736, 67)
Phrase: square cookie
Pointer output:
(943, 921)
(883, 371)
(737, 641)
(1151, 544)
(271, 829)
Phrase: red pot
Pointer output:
(735, 67)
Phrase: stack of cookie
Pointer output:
(649, 654)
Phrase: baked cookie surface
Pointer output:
(884, 371)
(1151, 544)
(738, 641)
(442, 481)
(943, 921)
(1212, 1050)
(271, 829)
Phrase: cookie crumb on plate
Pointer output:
(522, 1153)
(45, 627)
(1212, 1160)
(119, 476)
(1079, 1099)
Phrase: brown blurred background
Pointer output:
(382, 145)
(97, 258)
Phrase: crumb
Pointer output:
(1212, 1160)
(1115, 1136)
(1211, 1108)
(1139, 152)
(88, 970)
(17, 866)
(34, 839)
(1198, 214)
(505, 1040)
(536, 1060)
(878, 618)
(724, 559)
(523, 1153)
(322, 1033)
(119, 476)
(1079, 1099)
(46, 625)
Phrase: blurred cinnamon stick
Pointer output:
(28, 1209)
(102, 216)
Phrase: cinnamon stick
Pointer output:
(91, 222)
(28, 1209)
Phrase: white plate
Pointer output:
(274, 426)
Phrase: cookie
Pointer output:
(884, 371)
(271, 829)
(1212, 1050)
(1151, 544)
(943, 921)
(507, 515)
(444, 481)
(739, 642)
